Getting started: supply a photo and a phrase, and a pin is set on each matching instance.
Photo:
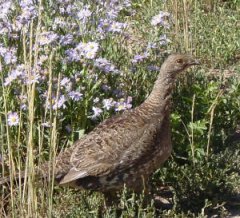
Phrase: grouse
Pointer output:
(124, 149)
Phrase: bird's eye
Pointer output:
(179, 61)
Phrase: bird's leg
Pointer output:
(145, 185)
(110, 198)
(147, 197)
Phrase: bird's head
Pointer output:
(176, 63)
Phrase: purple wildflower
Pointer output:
(96, 112)
(5, 27)
(84, 14)
(13, 119)
(23, 101)
(90, 50)
(46, 124)
(85, 50)
(127, 3)
(66, 40)
(9, 55)
(119, 106)
(23, 107)
(129, 101)
(103, 25)
(75, 95)
(60, 103)
(72, 55)
(96, 100)
(153, 68)
(59, 22)
(28, 12)
(9, 79)
(14, 74)
(115, 6)
(139, 58)
(3, 50)
(26, 3)
(106, 88)
(67, 8)
(64, 81)
(108, 103)
(164, 40)
(112, 14)
(123, 105)
(104, 65)
(80, 47)
(161, 19)
(68, 128)
(42, 59)
(19, 71)
(77, 76)
(117, 27)
(47, 38)
(118, 93)
(66, 84)
(5, 8)
(33, 78)
(152, 45)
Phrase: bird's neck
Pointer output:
(162, 90)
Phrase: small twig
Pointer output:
(192, 134)
(211, 111)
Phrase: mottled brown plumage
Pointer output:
(127, 148)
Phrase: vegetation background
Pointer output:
(66, 65)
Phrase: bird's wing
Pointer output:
(108, 146)
(154, 141)
(99, 152)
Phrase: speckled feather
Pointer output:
(127, 147)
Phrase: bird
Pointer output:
(126, 149)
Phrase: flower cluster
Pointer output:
(66, 94)
(5, 8)
(139, 58)
(79, 35)
(75, 95)
(8, 54)
(46, 38)
(163, 40)
(20, 75)
(109, 104)
(161, 19)
(111, 26)
(84, 14)
(29, 12)
(83, 50)
(123, 105)
(104, 65)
